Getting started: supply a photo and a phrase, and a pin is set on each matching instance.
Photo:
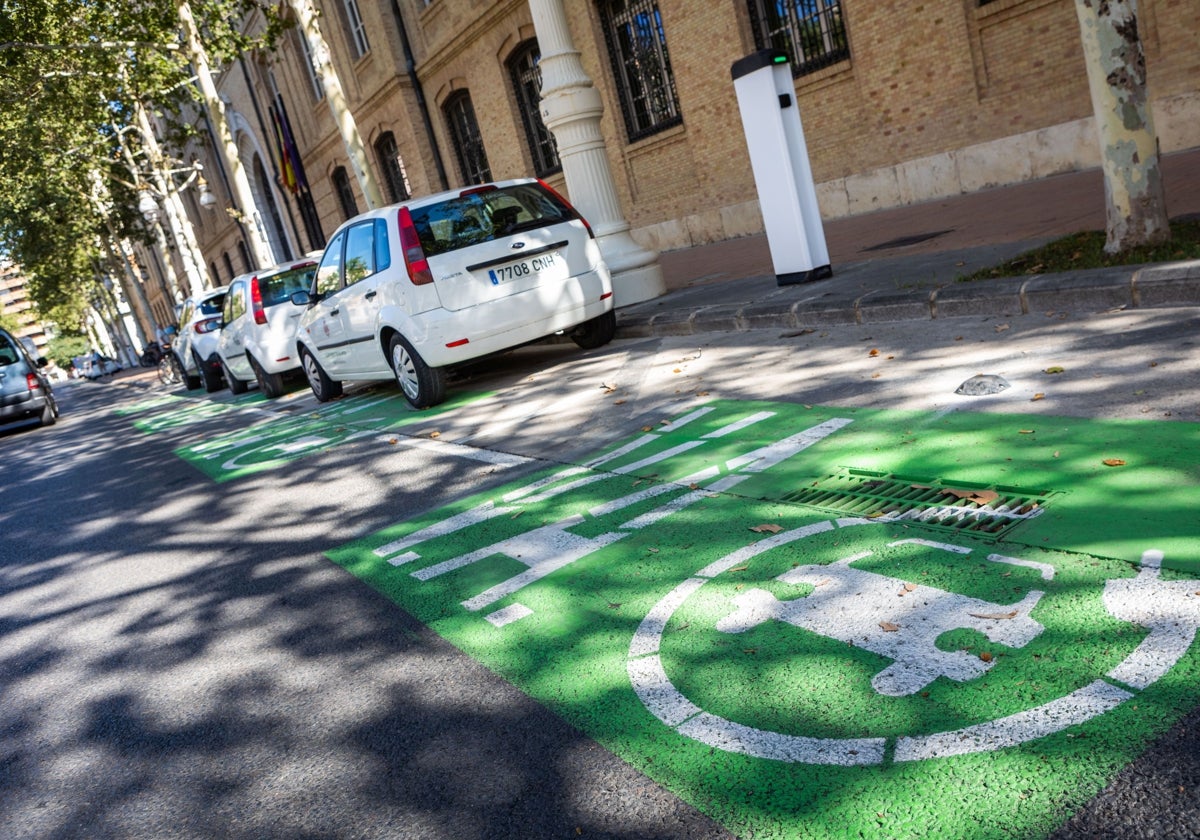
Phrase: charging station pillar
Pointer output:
(782, 172)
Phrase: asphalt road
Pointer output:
(178, 659)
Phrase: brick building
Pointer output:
(902, 102)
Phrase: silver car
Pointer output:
(25, 392)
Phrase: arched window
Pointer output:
(345, 193)
(811, 32)
(394, 176)
(637, 47)
(527, 85)
(468, 143)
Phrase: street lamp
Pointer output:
(207, 200)
(147, 206)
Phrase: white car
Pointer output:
(258, 330)
(406, 290)
(196, 344)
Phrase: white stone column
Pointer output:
(571, 110)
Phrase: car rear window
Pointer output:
(278, 288)
(212, 306)
(477, 217)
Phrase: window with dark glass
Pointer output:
(811, 32)
(468, 143)
(637, 47)
(394, 176)
(527, 84)
(345, 193)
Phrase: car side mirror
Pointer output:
(303, 298)
(42, 361)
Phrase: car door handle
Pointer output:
(371, 294)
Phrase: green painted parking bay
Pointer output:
(826, 622)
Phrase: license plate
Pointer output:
(549, 263)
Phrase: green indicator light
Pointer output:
(780, 59)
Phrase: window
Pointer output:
(318, 89)
(468, 144)
(228, 266)
(235, 304)
(394, 176)
(329, 272)
(345, 193)
(527, 84)
(637, 47)
(360, 252)
(358, 32)
(811, 32)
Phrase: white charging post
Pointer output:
(782, 172)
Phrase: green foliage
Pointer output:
(71, 74)
(1086, 250)
(64, 348)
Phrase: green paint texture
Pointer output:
(571, 649)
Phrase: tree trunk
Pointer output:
(1116, 68)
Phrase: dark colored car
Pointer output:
(25, 392)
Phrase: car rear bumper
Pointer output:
(509, 321)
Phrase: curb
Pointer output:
(1098, 290)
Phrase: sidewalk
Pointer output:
(901, 264)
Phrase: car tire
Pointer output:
(49, 414)
(271, 384)
(236, 386)
(210, 378)
(423, 386)
(190, 380)
(323, 388)
(597, 332)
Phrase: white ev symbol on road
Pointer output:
(1169, 609)
(892, 618)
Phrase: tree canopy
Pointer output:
(70, 74)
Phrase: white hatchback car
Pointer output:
(258, 329)
(406, 290)
(196, 344)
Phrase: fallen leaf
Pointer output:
(664, 422)
(1054, 369)
(874, 352)
(608, 389)
(702, 393)
(979, 497)
(647, 428)
(996, 616)
(739, 568)
(909, 587)
(764, 529)
(677, 370)
(435, 434)
(749, 650)
(1038, 396)
(875, 514)
(1055, 453)
(875, 376)
(1001, 327)
(619, 402)
(888, 627)
(518, 513)
(393, 440)
(1113, 462)
(985, 656)
(614, 605)
(652, 550)
(1025, 431)
(1154, 364)
(891, 357)
(958, 338)
(693, 486)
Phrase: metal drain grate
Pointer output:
(977, 509)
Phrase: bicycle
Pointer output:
(168, 370)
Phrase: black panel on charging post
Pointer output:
(756, 61)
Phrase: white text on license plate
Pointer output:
(525, 268)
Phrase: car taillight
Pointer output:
(207, 325)
(31, 382)
(568, 205)
(486, 188)
(260, 317)
(414, 255)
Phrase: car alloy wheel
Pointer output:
(236, 386)
(323, 388)
(422, 385)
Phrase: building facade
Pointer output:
(901, 103)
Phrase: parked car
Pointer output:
(25, 391)
(95, 366)
(258, 328)
(404, 291)
(196, 343)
